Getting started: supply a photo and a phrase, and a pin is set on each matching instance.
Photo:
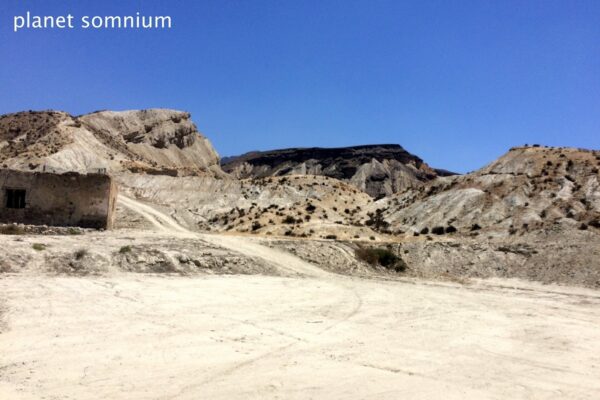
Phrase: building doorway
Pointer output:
(15, 198)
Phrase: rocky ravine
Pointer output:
(157, 141)
(378, 170)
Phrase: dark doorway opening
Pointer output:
(15, 198)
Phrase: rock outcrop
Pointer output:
(156, 141)
(378, 170)
(529, 189)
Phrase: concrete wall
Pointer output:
(68, 199)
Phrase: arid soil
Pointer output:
(224, 288)
(290, 330)
(230, 337)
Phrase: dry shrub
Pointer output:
(381, 257)
(11, 230)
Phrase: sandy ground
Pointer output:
(239, 337)
(310, 335)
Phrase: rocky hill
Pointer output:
(534, 213)
(378, 170)
(156, 141)
(295, 206)
(529, 189)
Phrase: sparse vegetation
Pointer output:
(38, 246)
(125, 249)
(376, 220)
(11, 230)
(81, 253)
(289, 220)
(450, 229)
(382, 257)
(438, 230)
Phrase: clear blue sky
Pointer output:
(455, 82)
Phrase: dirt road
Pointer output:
(244, 245)
(307, 336)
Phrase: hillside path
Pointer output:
(240, 244)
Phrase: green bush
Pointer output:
(125, 249)
(38, 246)
(382, 257)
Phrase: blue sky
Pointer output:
(455, 82)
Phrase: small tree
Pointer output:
(377, 221)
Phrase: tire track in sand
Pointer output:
(250, 248)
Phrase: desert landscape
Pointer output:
(357, 272)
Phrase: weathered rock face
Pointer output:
(528, 189)
(379, 170)
(156, 141)
(30, 135)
